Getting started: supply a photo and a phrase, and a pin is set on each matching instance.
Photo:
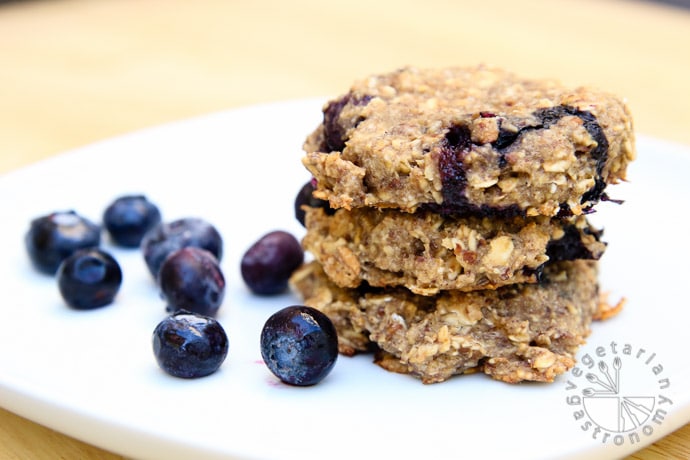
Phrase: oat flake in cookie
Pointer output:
(469, 140)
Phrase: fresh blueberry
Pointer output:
(305, 197)
(191, 279)
(189, 345)
(166, 238)
(53, 237)
(128, 218)
(299, 345)
(89, 278)
(268, 263)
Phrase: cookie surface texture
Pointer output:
(427, 252)
(522, 332)
(469, 141)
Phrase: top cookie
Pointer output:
(477, 140)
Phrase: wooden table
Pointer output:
(76, 71)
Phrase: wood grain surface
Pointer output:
(74, 72)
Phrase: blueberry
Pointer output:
(191, 279)
(166, 238)
(128, 218)
(268, 263)
(335, 128)
(599, 153)
(89, 278)
(456, 145)
(53, 237)
(189, 345)
(299, 345)
(305, 197)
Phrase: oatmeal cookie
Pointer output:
(426, 252)
(469, 140)
(514, 333)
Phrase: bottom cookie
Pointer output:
(514, 333)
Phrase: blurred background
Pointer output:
(74, 72)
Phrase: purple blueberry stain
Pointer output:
(550, 116)
(335, 132)
(455, 146)
(570, 246)
(457, 143)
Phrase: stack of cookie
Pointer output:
(451, 236)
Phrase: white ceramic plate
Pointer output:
(92, 375)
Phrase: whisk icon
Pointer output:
(612, 384)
